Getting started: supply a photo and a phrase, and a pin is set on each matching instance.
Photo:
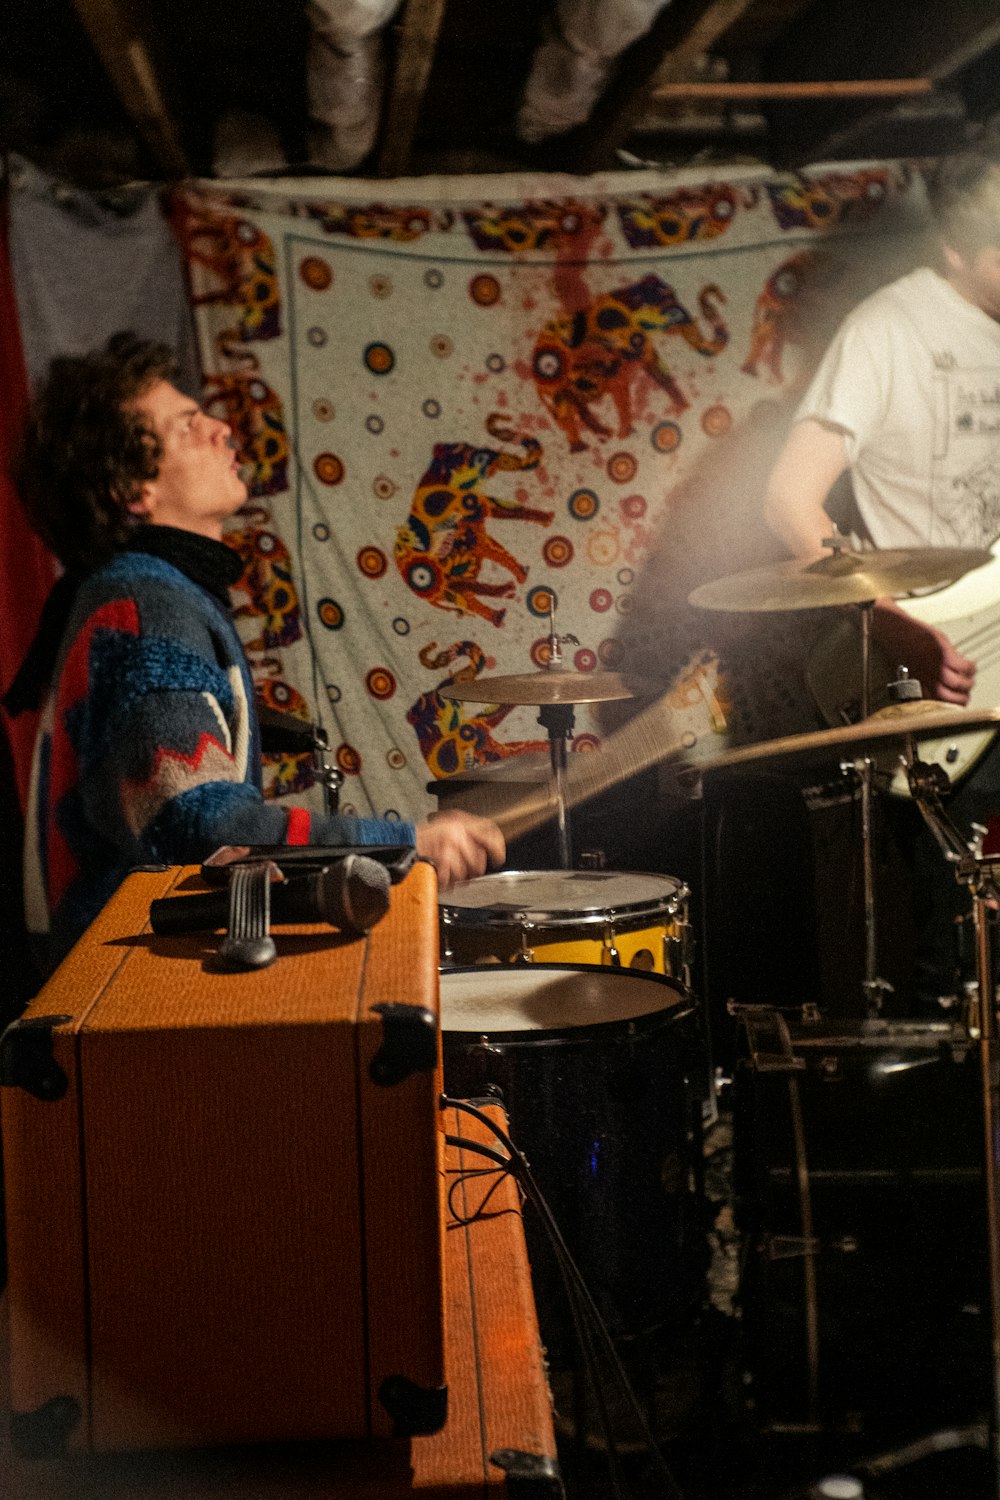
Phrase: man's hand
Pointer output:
(460, 845)
(942, 671)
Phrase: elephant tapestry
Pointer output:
(455, 412)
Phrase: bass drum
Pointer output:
(593, 1067)
(628, 921)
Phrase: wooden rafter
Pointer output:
(416, 46)
(124, 45)
(718, 17)
(848, 88)
(626, 98)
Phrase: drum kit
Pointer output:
(538, 963)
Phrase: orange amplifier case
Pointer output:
(224, 1191)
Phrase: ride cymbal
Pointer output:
(540, 688)
(842, 578)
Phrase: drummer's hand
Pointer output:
(942, 671)
(460, 845)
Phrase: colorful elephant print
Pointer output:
(255, 413)
(824, 202)
(603, 349)
(689, 214)
(444, 543)
(286, 774)
(375, 222)
(774, 316)
(267, 579)
(450, 737)
(532, 226)
(236, 262)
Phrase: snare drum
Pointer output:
(626, 921)
(593, 1067)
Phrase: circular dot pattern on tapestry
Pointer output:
(330, 613)
(316, 273)
(557, 551)
(328, 468)
(372, 562)
(622, 468)
(665, 437)
(484, 290)
(380, 683)
(541, 600)
(716, 421)
(583, 505)
(379, 358)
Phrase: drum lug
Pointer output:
(527, 953)
(610, 956)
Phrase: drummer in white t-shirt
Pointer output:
(908, 398)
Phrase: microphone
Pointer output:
(352, 894)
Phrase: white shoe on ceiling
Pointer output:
(345, 101)
(562, 89)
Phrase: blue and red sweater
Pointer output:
(149, 749)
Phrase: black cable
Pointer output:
(587, 1319)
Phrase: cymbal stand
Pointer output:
(981, 874)
(873, 987)
(557, 721)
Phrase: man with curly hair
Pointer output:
(149, 745)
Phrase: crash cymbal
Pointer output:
(540, 688)
(841, 578)
(922, 720)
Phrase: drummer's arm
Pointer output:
(813, 458)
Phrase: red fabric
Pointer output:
(27, 569)
(299, 824)
(991, 842)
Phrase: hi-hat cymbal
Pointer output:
(540, 688)
(841, 578)
(924, 719)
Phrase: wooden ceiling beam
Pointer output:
(416, 46)
(850, 88)
(126, 48)
(626, 98)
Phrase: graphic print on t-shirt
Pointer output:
(966, 481)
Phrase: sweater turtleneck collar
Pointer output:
(211, 564)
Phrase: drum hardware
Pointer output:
(980, 874)
(555, 692)
(593, 1067)
(858, 578)
(284, 733)
(618, 920)
(326, 771)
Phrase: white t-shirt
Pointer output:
(913, 378)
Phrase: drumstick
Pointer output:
(647, 739)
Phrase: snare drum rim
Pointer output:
(683, 1007)
(667, 905)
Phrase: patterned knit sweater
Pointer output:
(149, 748)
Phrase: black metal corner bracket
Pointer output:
(409, 1043)
(26, 1059)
